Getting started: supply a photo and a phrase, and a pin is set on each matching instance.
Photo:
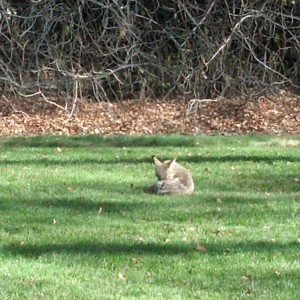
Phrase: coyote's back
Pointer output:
(173, 179)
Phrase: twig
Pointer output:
(195, 104)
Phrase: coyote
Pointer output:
(173, 179)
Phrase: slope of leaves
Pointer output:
(32, 117)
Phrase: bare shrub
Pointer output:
(117, 49)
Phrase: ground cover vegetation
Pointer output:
(76, 224)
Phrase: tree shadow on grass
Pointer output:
(158, 140)
(73, 162)
(238, 211)
(120, 197)
(74, 204)
(102, 141)
(105, 207)
(128, 160)
(241, 158)
(116, 248)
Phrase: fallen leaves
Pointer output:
(122, 276)
(151, 117)
(219, 201)
(246, 277)
(69, 187)
(136, 260)
(201, 248)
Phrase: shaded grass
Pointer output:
(76, 224)
(101, 141)
(173, 140)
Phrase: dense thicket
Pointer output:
(116, 49)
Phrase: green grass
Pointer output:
(76, 224)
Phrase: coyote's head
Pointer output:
(164, 170)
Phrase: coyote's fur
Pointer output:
(173, 179)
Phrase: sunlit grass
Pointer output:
(76, 224)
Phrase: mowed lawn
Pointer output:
(76, 224)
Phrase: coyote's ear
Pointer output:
(156, 161)
(172, 162)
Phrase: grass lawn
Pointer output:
(76, 224)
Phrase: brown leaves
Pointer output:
(70, 187)
(136, 260)
(246, 277)
(201, 248)
(150, 117)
